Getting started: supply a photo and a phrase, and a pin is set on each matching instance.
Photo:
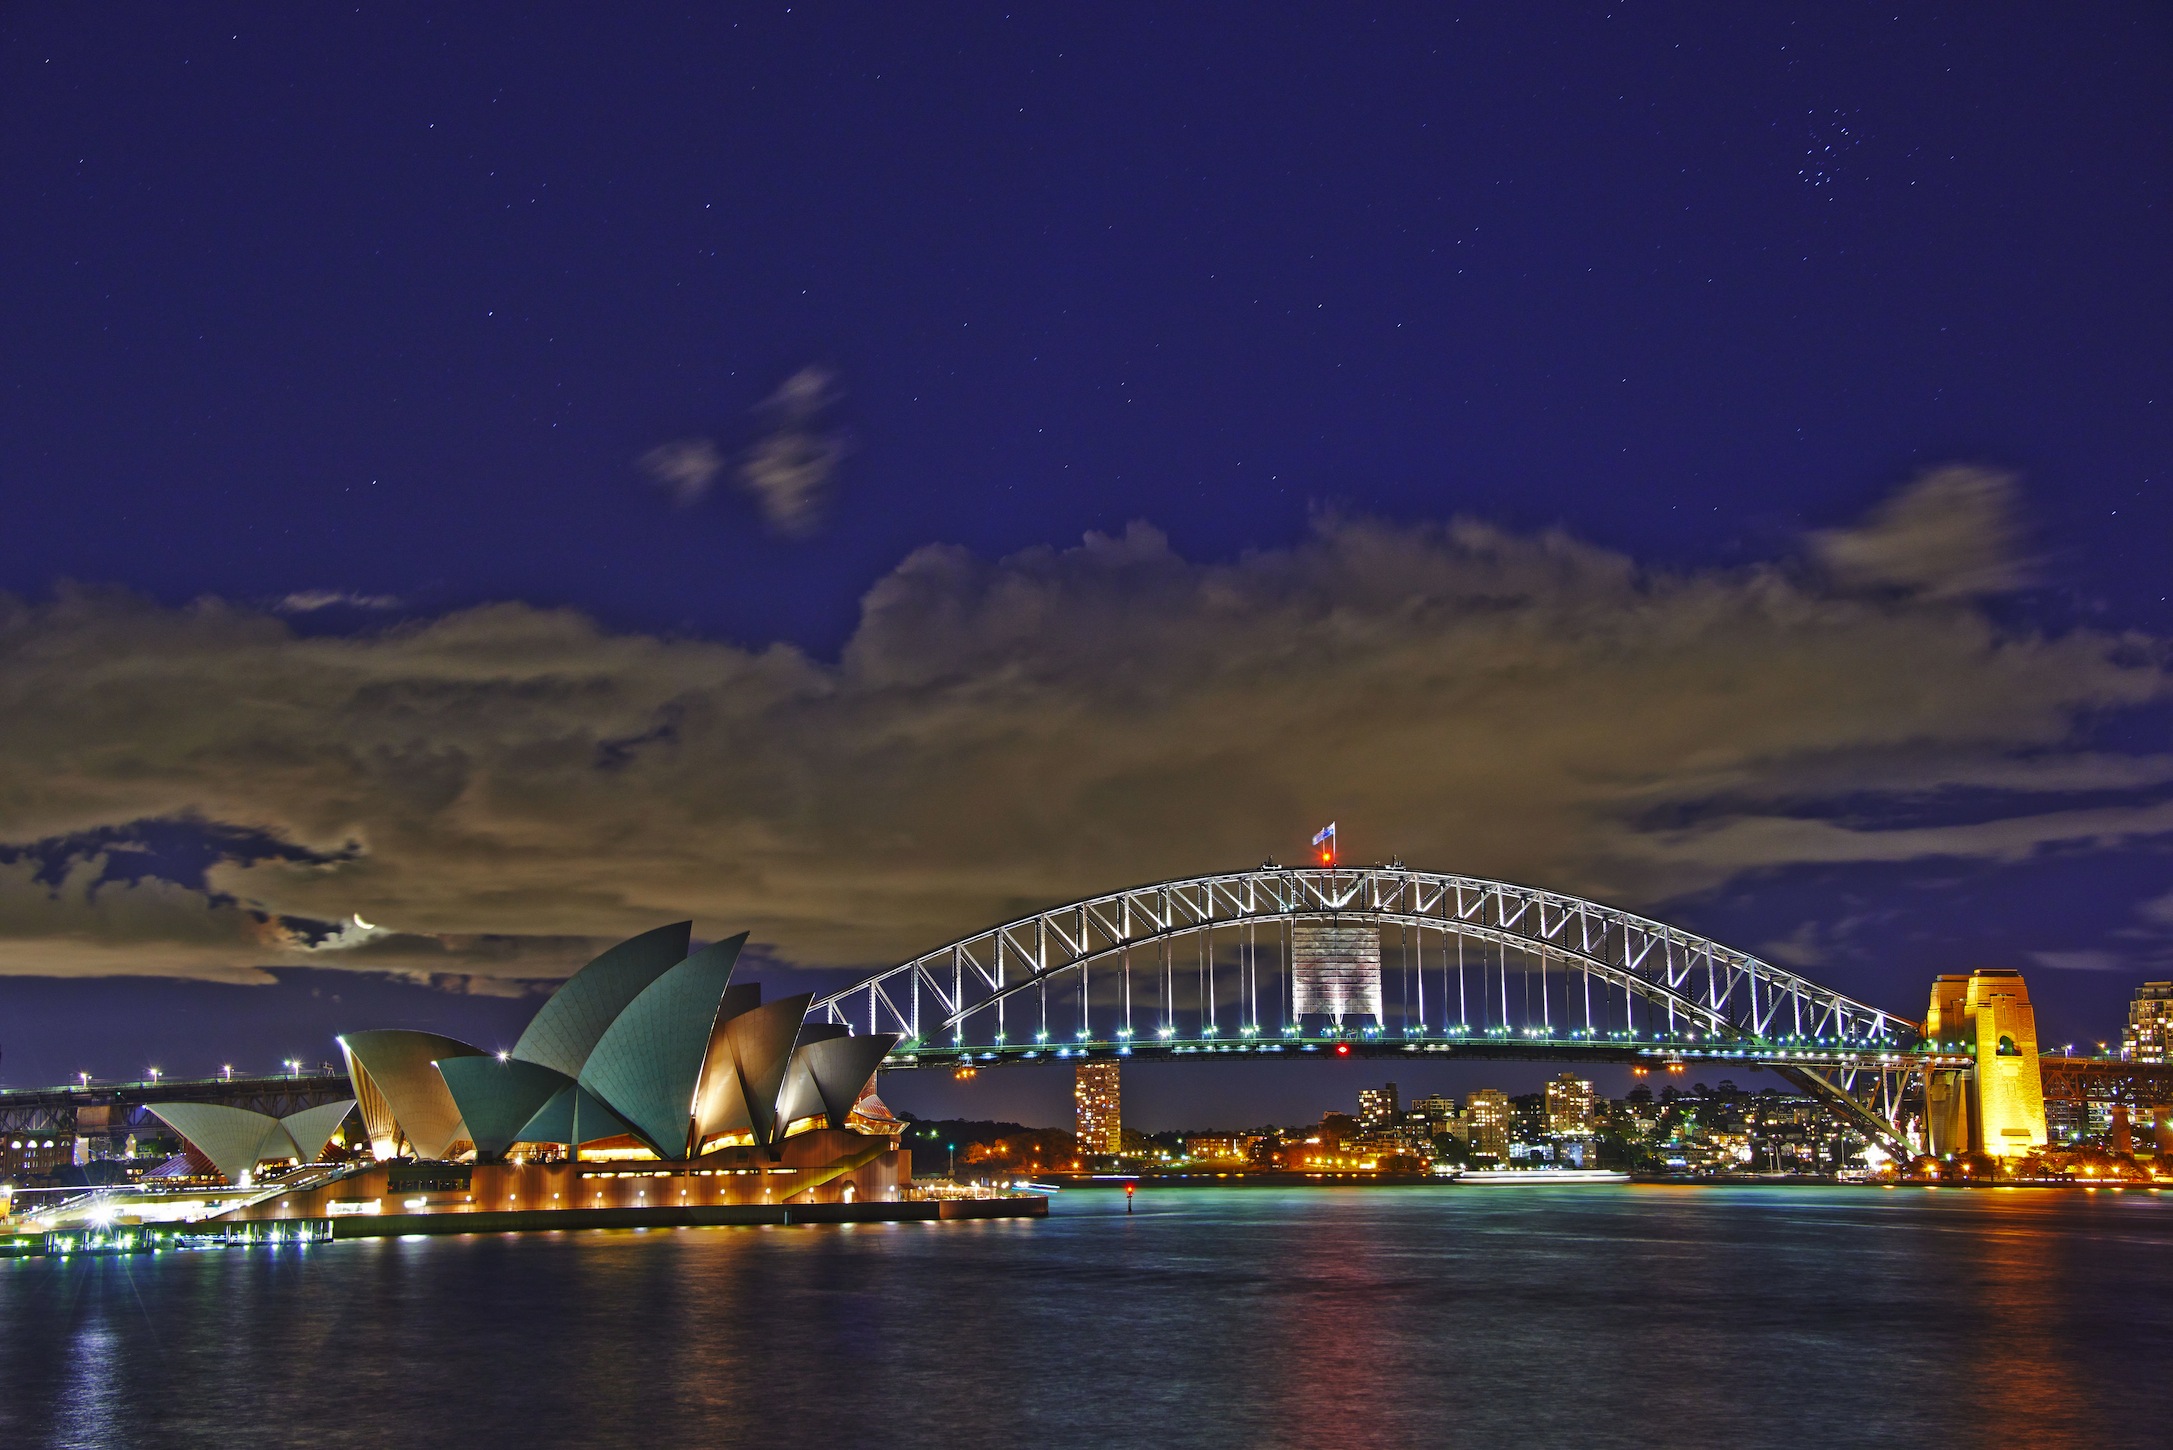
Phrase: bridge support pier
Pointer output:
(1998, 1105)
(1949, 1113)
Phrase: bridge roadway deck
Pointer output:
(1424, 1049)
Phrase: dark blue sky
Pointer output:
(389, 302)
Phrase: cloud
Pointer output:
(1782, 840)
(2079, 961)
(790, 469)
(501, 787)
(684, 467)
(309, 601)
(1950, 534)
(1802, 947)
(88, 922)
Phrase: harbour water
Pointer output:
(1586, 1315)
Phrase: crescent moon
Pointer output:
(363, 924)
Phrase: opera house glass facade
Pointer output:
(650, 1082)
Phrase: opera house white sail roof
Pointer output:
(650, 1040)
(235, 1140)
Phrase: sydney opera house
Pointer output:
(649, 1086)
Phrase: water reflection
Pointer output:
(1587, 1317)
(86, 1400)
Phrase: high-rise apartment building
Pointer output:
(1486, 1122)
(1377, 1106)
(1097, 1092)
(2148, 1037)
(1569, 1106)
(1438, 1111)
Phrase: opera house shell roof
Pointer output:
(650, 1041)
(235, 1140)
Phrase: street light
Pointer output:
(954, 1160)
(227, 1072)
(154, 1074)
(294, 1067)
(84, 1078)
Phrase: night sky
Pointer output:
(856, 473)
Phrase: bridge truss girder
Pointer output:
(1714, 989)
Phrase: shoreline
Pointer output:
(1541, 1179)
(239, 1233)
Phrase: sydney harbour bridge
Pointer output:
(1215, 968)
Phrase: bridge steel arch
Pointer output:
(1664, 993)
(1702, 987)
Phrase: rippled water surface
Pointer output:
(1575, 1316)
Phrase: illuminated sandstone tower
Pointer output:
(1998, 1106)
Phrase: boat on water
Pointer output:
(1540, 1177)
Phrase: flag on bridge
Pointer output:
(1324, 840)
